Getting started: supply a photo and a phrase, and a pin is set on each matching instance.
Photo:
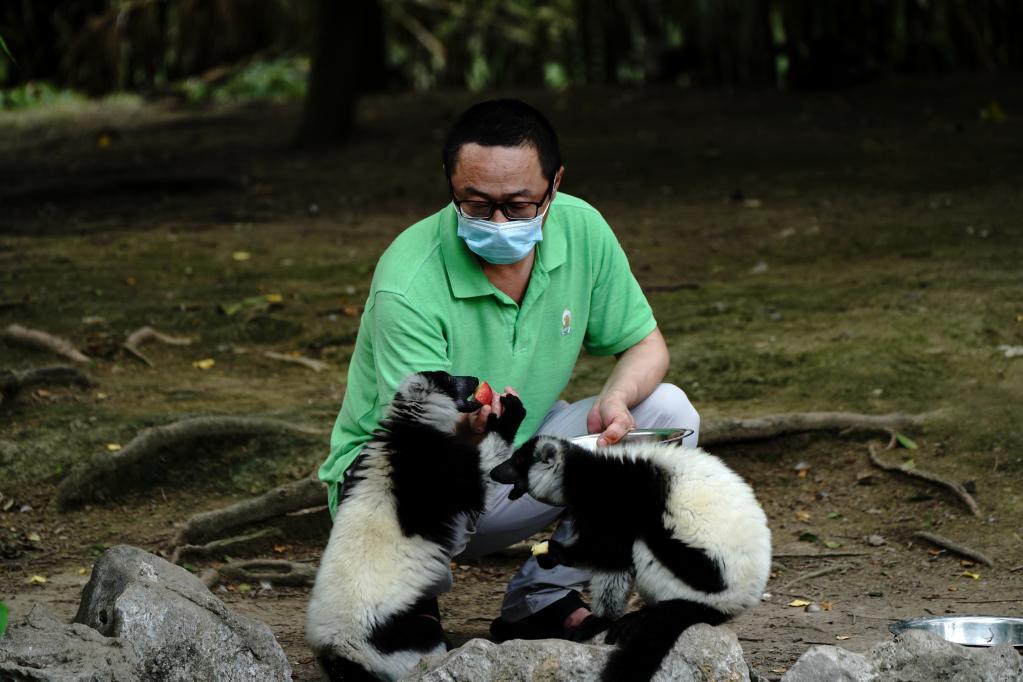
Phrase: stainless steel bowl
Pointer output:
(670, 436)
(968, 630)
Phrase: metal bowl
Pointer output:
(669, 436)
(968, 630)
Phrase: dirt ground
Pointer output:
(855, 250)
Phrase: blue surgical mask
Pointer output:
(501, 243)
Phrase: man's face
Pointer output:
(499, 174)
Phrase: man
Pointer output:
(509, 282)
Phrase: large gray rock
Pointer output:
(705, 652)
(550, 660)
(701, 653)
(914, 656)
(173, 625)
(43, 649)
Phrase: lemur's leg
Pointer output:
(610, 592)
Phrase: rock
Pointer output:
(40, 647)
(919, 656)
(701, 653)
(173, 625)
(704, 652)
(550, 660)
(830, 664)
(914, 656)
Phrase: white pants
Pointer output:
(506, 522)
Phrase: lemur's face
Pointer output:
(426, 386)
(535, 468)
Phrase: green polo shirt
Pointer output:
(430, 307)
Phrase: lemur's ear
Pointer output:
(547, 452)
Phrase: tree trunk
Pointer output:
(346, 30)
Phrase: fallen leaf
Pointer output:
(36, 580)
(800, 602)
(953, 589)
(241, 256)
(113, 447)
(34, 537)
(826, 605)
(935, 552)
(280, 549)
(834, 515)
(274, 298)
(832, 544)
(905, 442)
(802, 516)
(83, 571)
(42, 392)
(968, 574)
(966, 563)
(244, 587)
(101, 396)
(843, 637)
(205, 363)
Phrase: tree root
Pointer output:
(952, 546)
(922, 475)
(289, 498)
(144, 334)
(275, 571)
(315, 365)
(721, 431)
(13, 382)
(815, 574)
(239, 544)
(44, 341)
(109, 474)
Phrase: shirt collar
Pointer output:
(463, 269)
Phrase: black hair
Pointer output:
(504, 123)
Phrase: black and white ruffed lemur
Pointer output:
(677, 524)
(393, 533)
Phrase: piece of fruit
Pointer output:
(483, 394)
(541, 548)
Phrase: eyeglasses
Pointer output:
(512, 210)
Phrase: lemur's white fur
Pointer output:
(370, 570)
(708, 506)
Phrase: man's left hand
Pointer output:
(611, 418)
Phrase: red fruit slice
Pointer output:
(483, 394)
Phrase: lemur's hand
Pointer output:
(507, 418)
(552, 557)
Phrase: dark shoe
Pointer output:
(547, 623)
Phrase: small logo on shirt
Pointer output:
(566, 322)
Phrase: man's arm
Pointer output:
(639, 370)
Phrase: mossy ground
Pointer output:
(840, 251)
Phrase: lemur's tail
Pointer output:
(645, 637)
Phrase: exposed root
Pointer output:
(110, 474)
(275, 571)
(719, 431)
(13, 382)
(922, 475)
(815, 574)
(229, 546)
(44, 341)
(285, 499)
(952, 546)
(315, 365)
(140, 336)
